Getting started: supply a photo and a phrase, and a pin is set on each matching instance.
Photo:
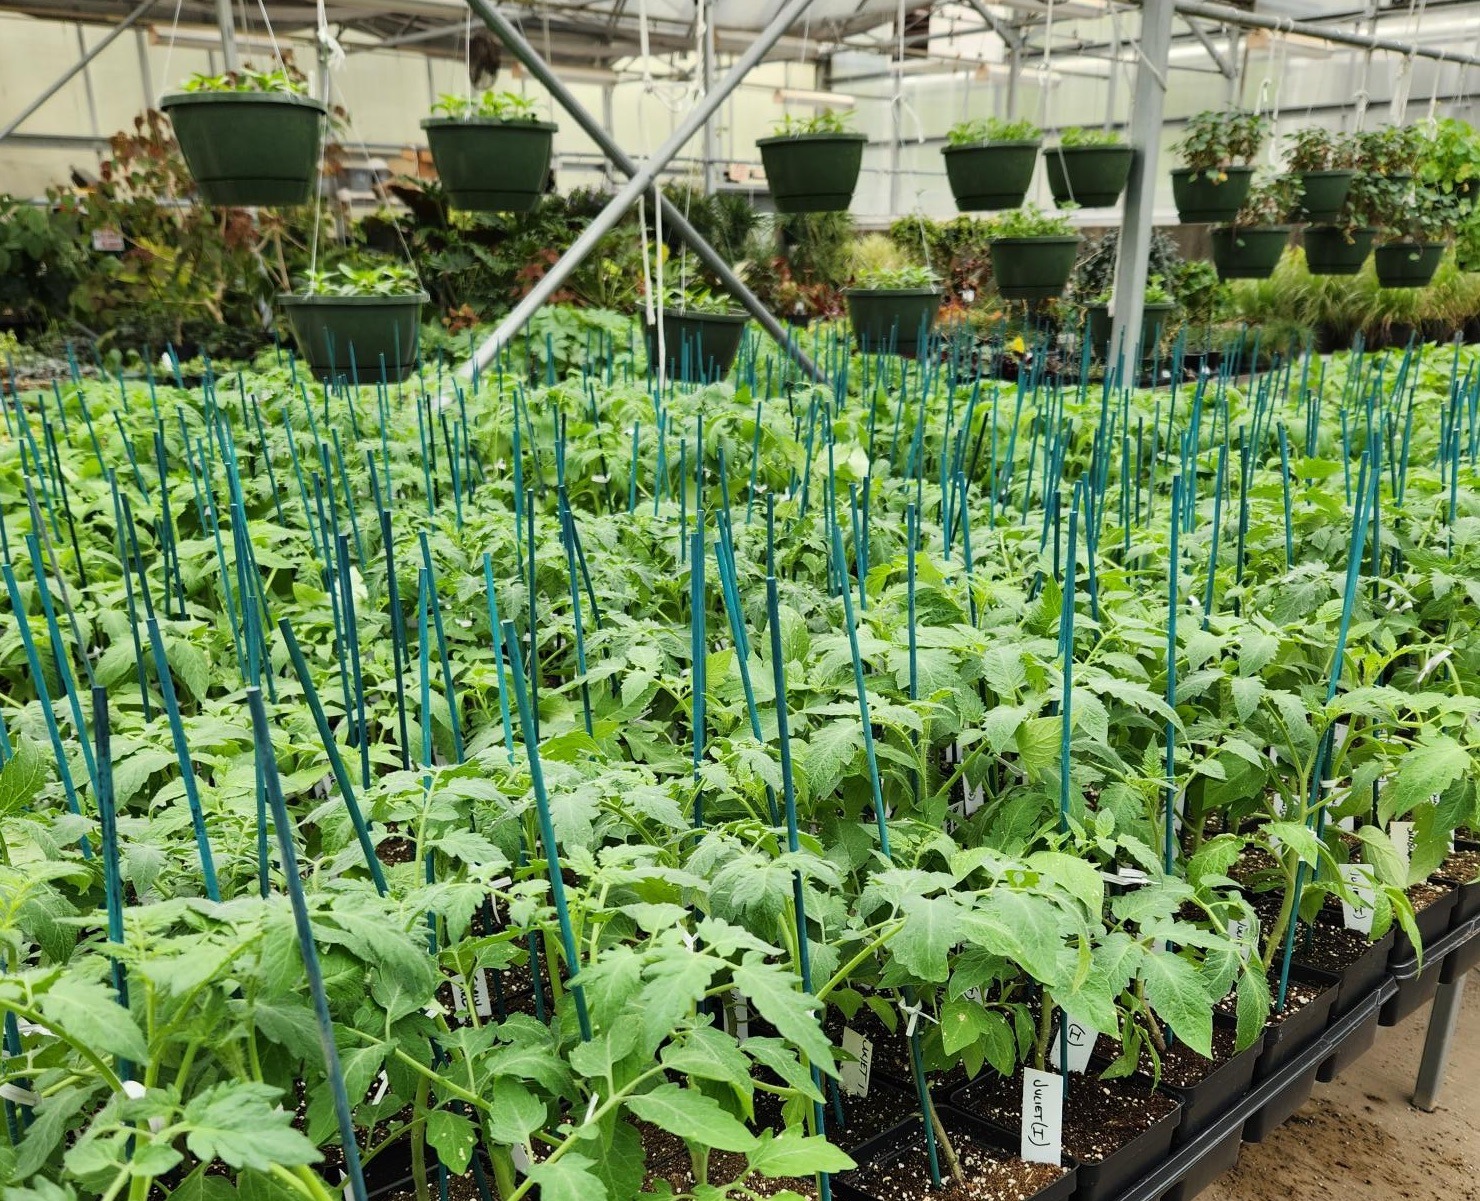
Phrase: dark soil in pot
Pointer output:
(812, 173)
(491, 166)
(1462, 868)
(1308, 1001)
(1089, 176)
(1114, 1130)
(1433, 905)
(1203, 199)
(991, 175)
(1205, 1087)
(249, 148)
(350, 336)
(700, 347)
(1322, 193)
(892, 319)
(1249, 251)
(1033, 268)
(1407, 264)
(1327, 251)
(991, 1171)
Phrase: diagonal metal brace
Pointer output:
(522, 50)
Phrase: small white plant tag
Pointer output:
(1402, 835)
(520, 1155)
(1043, 1117)
(1081, 1046)
(482, 1001)
(855, 1073)
(1362, 883)
(738, 1015)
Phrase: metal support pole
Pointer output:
(641, 179)
(146, 76)
(1134, 248)
(87, 87)
(1223, 62)
(1014, 75)
(711, 126)
(70, 73)
(228, 35)
(1443, 1019)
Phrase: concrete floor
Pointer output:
(1359, 1138)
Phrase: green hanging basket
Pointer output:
(1407, 264)
(700, 347)
(892, 319)
(249, 148)
(351, 337)
(1249, 251)
(1328, 252)
(491, 166)
(1033, 268)
(1203, 199)
(990, 175)
(1089, 176)
(1098, 326)
(1323, 193)
(812, 172)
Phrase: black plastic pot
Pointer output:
(701, 347)
(354, 336)
(1033, 268)
(812, 172)
(1467, 903)
(1282, 1043)
(1098, 326)
(1327, 252)
(1359, 978)
(897, 320)
(1417, 983)
(1213, 1095)
(491, 166)
(1407, 264)
(1220, 1159)
(1353, 1047)
(1249, 251)
(1202, 199)
(1432, 921)
(1322, 193)
(1089, 176)
(990, 175)
(249, 148)
(1462, 959)
(847, 1187)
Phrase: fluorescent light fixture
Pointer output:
(207, 38)
(821, 99)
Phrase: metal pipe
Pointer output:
(87, 83)
(520, 47)
(1339, 37)
(1133, 250)
(711, 127)
(1225, 66)
(1443, 1019)
(228, 35)
(67, 75)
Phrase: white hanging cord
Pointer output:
(647, 262)
(169, 51)
(1434, 91)
(1279, 53)
(326, 39)
(1115, 64)
(277, 50)
(1045, 68)
(468, 57)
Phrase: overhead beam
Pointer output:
(1311, 29)
(998, 26)
(1226, 67)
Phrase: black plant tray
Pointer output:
(1357, 1044)
(908, 1133)
(1280, 1106)
(1186, 1163)
(1221, 1157)
(1432, 924)
(1467, 905)
(1416, 986)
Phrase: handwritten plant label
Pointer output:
(1402, 835)
(1081, 1042)
(855, 1072)
(1043, 1117)
(1363, 884)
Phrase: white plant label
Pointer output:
(1081, 1042)
(482, 1002)
(855, 1072)
(1043, 1117)
(973, 797)
(738, 1015)
(1360, 879)
(1402, 835)
(520, 1155)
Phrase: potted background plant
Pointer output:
(1321, 163)
(1088, 167)
(1341, 246)
(350, 321)
(249, 137)
(1417, 220)
(1032, 253)
(1251, 246)
(492, 151)
(1158, 310)
(1467, 243)
(702, 331)
(1217, 150)
(893, 303)
(989, 162)
(1452, 159)
(812, 163)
